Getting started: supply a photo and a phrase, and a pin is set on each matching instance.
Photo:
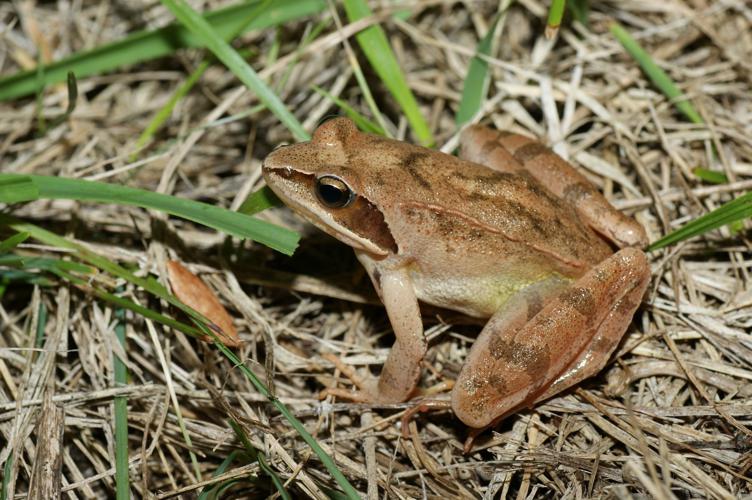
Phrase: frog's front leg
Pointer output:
(514, 153)
(527, 353)
(401, 371)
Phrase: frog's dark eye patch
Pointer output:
(333, 192)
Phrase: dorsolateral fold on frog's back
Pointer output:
(395, 175)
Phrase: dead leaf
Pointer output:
(193, 292)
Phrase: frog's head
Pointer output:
(315, 179)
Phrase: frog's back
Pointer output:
(466, 205)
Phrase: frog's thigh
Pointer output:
(508, 152)
(523, 354)
(401, 372)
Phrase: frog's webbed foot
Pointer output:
(527, 353)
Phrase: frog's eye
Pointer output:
(333, 192)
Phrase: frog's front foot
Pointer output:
(368, 390)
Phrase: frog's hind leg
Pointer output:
(527, 353)
(514, 153)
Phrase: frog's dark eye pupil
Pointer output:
(333, 192)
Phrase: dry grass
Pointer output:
(668, 417)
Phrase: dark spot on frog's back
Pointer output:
(489, 147)
(530, 151)
(576, 192)
(413, 163)
(529, 218)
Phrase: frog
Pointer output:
(506, 231)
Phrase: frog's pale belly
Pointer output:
(482, 296)
(489, 269)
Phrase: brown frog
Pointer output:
(509, 231)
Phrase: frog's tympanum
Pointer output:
(509, 231)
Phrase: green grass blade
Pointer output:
(41, 326)
(375, 46)
(17, 188)
(43, 264)
(122, 482)
(12, 242)
(555, 14)
(477, 80)
(6, 476)
(659, 77)
(711, 176)
(8, 276)
(33, 187)
(361, 121)
(731, 212)
(148, 45)
(580, 10)
(209, 490)
(230, 57)
(259, 201)
(259, 457)
(165, 111)
(72, 101)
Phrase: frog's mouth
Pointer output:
(360, 224)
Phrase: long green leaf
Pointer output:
(147, 45)
(256, 454)
(375, 46)
(120, 409)
(659, 77)
(230, 57)
(12, 242)
(361, 121)
(477, 80)
(555, 15)
(6, 476)
(712, 176)
(735, 210)
(16, 188)
(259, 201)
